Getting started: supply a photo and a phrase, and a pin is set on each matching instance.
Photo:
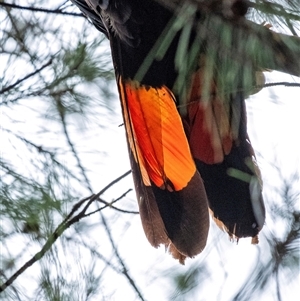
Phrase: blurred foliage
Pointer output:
(234, 48)
(56, 92)
(56, 89)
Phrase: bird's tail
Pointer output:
(171, 195)
(216, 128)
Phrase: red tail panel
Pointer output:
(210, 136)
(160, 140)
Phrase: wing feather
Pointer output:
(171, 195)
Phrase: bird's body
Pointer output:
(188, 146)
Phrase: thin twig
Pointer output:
(286, 84)
(110, 205)
(94, 198)
(5, 89)
(40, 149)
(66, 132)
(42, 10)
(97, 254)
(124, 268)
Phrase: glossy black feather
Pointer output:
(134, 27)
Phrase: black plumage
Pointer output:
(178, 217)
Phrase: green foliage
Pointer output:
(48, 65)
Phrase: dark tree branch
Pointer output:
(110, 204)
(5, 89)
(286, 84)
(13, 288)
(42, 10)
(65, 224)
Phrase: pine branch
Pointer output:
(284, 49)
(281, 52)
(65, 224)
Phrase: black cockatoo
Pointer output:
(187, 138)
